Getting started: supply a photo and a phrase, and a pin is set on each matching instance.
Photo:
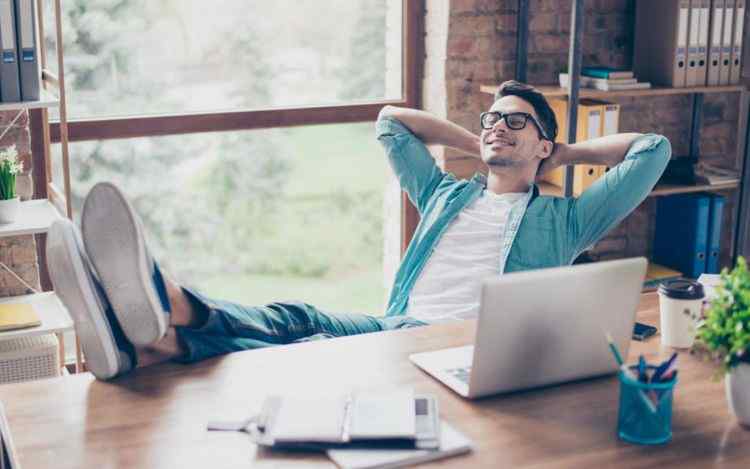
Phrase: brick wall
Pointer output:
(477, 40)
(19, 252)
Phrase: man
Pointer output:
(127, 313)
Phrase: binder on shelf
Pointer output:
(714, 45)
(681, 235)
(705, 16)
(661, 41)
(713, 254)
(737, 30)
(694, 69)
(28, 58)
(610, 125)
(10, 89)
(726, 43)
(590, 117)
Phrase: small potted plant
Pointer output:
(9, 168)
(724, 335)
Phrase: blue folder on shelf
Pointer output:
(681, 240)
(28, 59)
(10, 88)
(716, 214)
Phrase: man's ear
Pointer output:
(546, 150)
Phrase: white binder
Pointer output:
(610, 126)
(28, 58)
(10, 90)
(714, 46)
(726, 43)
(661, 41)
(693, 43)
(682, 48)
(704, 13)
(739, 22)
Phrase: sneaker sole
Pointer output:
(118, 252)
(75, 289)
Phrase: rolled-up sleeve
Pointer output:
(611, 198)
(412, 163)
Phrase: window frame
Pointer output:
(248, 119)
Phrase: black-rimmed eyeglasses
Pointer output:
(514, 121)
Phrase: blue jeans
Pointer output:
(231, 327)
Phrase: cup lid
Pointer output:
(682, 289)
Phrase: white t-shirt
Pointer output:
(469, 251)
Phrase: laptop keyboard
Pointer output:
(461, 374)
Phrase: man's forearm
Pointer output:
(433, 130)
(609, 150)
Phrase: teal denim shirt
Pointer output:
(546, 232)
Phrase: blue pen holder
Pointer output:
(645, 415)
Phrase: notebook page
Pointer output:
(383, 415)
(308, 419)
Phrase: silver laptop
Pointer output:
(544, 327)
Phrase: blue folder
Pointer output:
(10, 88)
(714, 233)
(681, 239)
(28, 58)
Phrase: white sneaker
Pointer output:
(115, 244)
(107, 352)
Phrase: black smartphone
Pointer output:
(643, 331)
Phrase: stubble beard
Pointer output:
(503, 161)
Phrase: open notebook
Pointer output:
(396, 419)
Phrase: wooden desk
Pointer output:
(156, 417)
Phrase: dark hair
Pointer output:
(537, 100)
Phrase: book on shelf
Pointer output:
(604, 84)
(707, 174)
(606, 73)
(603, 81)
(17, 316)
(657, 273)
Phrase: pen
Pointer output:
(642, 375)
(613, 348)
(628, 372)
(664, 369)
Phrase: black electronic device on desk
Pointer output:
(643, 331)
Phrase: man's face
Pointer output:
(503, 146)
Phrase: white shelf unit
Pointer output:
(53, 315)
(47, 100)
(36, 216)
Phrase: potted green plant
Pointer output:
(724, 334)
(10, 166)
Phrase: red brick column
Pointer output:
(18, 252)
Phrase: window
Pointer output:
(167, 98)
(148, 57)
(256, 216)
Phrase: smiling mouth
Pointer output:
(501, 143)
